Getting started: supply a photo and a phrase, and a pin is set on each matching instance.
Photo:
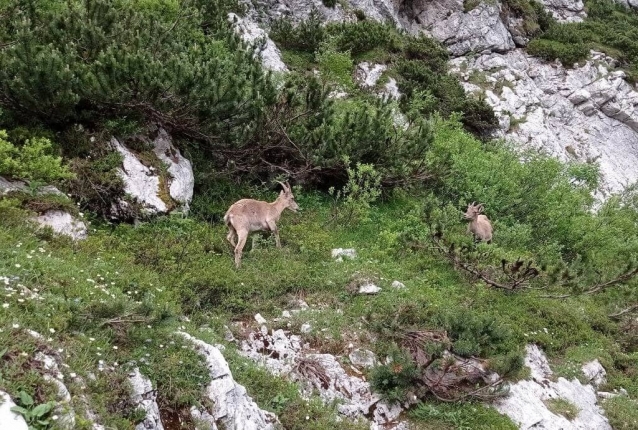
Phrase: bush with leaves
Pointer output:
(352, 202)
(32, 161)
(609, 27)
(177, 64)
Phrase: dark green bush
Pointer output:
(305, 36)
(363, 36)
(329, 3)
(97, 60)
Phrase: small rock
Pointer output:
(398, 285)
(340, 253)
(369, 288)
(363, 358)
(228, 335)
(260, 320)
(306, 328)
(286, 314)
(595, 373)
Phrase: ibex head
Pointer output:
(473, 211)
(286, 196)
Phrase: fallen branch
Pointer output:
(625, 311)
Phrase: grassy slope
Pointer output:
(169, 267)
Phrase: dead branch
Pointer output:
(518, 274)
(625, 311)
(620, 279)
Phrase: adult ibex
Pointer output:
(479, 225)
(247, 215)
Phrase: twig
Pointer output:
(617, 315)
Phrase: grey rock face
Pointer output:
(525, 402)
(595, 373)
(233, 408)
(253, 35)
(363, 358)
(340, 253)
(586, 114)
(144, 397)
(566, 10)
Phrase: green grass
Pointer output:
(562, 407)
(161, 270)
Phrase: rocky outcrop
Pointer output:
(156, 193)
(526, 402)
(628, 3)
(144, 398)
(566, 10)
(285, 354)
(8, 419)
(254, 36)
(233, 409)
(586, 114)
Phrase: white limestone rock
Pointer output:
(525, 402)
(10, 420)
(140, 182)
(64, 223)
(265, 48)
(363, 358)
(182, 181)
(586, 114)
(340, 253)
(144, 397)
(566, 10)
(369, 288)
(367, 74)
(233, 408)
(595, 373)
(398, 285)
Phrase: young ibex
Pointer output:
(479, 225)
(248, 215)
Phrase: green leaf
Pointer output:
(25, 398)
(43, 422)
(41, 410)
(19, 410)
(3, 352)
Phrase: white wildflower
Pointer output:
(52, 330)
(16, 326)
(18, 266)
(5, 305)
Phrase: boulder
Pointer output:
(363, 358)
(64, 223)
(566, 10)
(340, 253)
(367, 74)
(146, 186)
(61, 222)
(369, 288)
(595, 373)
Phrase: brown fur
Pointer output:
(479, 225)
(247, 215)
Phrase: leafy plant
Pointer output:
(36, 415)
(32, 161)
(352, 202)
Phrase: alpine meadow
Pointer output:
(442, 232)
